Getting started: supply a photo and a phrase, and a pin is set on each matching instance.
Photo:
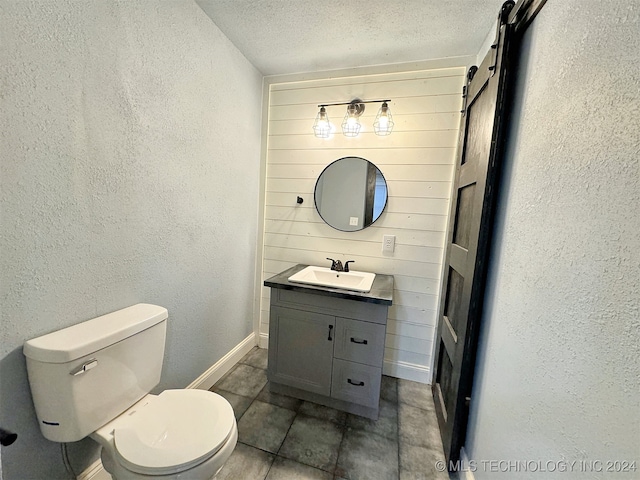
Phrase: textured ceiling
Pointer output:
(290, 36)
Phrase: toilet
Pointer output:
(94, 378)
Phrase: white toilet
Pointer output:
(94, 378)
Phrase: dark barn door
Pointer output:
(470, 220)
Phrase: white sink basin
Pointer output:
(325, 277)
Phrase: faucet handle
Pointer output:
(346, 264)
(335, 264)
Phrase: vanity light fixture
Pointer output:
(383, 124)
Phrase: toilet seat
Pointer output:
(175, 432)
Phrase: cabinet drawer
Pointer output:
(357, 383)
(361, 342)
(371, 312)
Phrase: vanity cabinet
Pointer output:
(327, 349)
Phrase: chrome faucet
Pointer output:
(336, 265)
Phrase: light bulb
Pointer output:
(322, 127)
(383, 123)
(351, 125)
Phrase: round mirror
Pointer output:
(350, 194)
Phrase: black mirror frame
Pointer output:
(386, 200)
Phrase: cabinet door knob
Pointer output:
(361, 342)
(330, 328)
(359, 384)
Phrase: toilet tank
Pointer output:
(83, 376)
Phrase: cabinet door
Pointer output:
(301, 349)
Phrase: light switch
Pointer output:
(353, 221)
(388, 243)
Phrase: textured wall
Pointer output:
(558, 371)
(130, 173)
(417, 163)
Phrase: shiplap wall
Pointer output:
(417, 162)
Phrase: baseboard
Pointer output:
(465, 473)
(407, 371)
(263, 340)
(222, 366)
(95, 471)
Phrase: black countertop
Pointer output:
(381, 291)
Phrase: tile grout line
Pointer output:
(275, 455)
(343, 427)
(344, 434)
(285, 437)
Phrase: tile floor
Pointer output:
(280, 437)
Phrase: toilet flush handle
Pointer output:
(88, 365)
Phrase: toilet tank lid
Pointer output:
(92, 335)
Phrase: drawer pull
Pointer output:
(359, 384)
(361, 342)
(330, 328)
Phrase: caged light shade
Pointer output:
(322, 127)
(351, 123)
(383, 124)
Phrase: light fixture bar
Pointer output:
(382, 126)
(353, 101)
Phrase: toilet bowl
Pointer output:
(94, 379)
(179, 434)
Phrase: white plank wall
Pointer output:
(417, 162)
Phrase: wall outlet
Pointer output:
(388, 243)
(353, 221)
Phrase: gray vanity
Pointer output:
(326, 345)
